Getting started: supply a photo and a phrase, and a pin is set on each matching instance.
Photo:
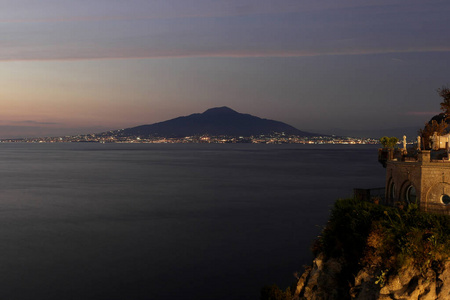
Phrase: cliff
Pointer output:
(369, 251)
(321, 281)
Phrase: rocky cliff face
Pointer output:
(322, 281)
(372, 252)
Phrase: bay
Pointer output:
(167, 221)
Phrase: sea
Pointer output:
(167, 221)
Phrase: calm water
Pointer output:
(121, 221)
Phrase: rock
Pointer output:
(364, 287)
(402, 284)
(393, 284)
(363, 276)
(323, 282)
(406, 274)
(318, 261)
(408, 284)
(444, 282)
(301, 282)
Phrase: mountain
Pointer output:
(215, 121)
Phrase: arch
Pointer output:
(391, 192)
(436, 200)
(411, 194)
(408, 192)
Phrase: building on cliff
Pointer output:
(419, 176)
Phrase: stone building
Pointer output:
(419, 176)
(442, 142)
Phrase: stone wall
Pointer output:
(430, 180)
(399, 177)
(435, 184)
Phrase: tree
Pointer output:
(439, 123)
(444, 92)
(389, 142)
(393, 141)
(429, 129)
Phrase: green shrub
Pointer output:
(389, 142)
(384, 141)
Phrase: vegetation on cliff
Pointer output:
(385, 238)
(380, 240)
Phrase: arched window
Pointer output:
(392, 191)
(445, 199)
(411, 194)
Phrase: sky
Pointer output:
(73, 67)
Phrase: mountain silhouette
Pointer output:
(214, 121)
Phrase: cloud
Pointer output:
(142, 54)
(31, 122)
(205, 28)
(421, 113)
(25, 12)
(29, 11)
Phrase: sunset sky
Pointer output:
(83, 66)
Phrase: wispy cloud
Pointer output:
(31, 122)
(161, 9)
(117, 55)
(205, 28)
(422, 113)
(27, 11)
